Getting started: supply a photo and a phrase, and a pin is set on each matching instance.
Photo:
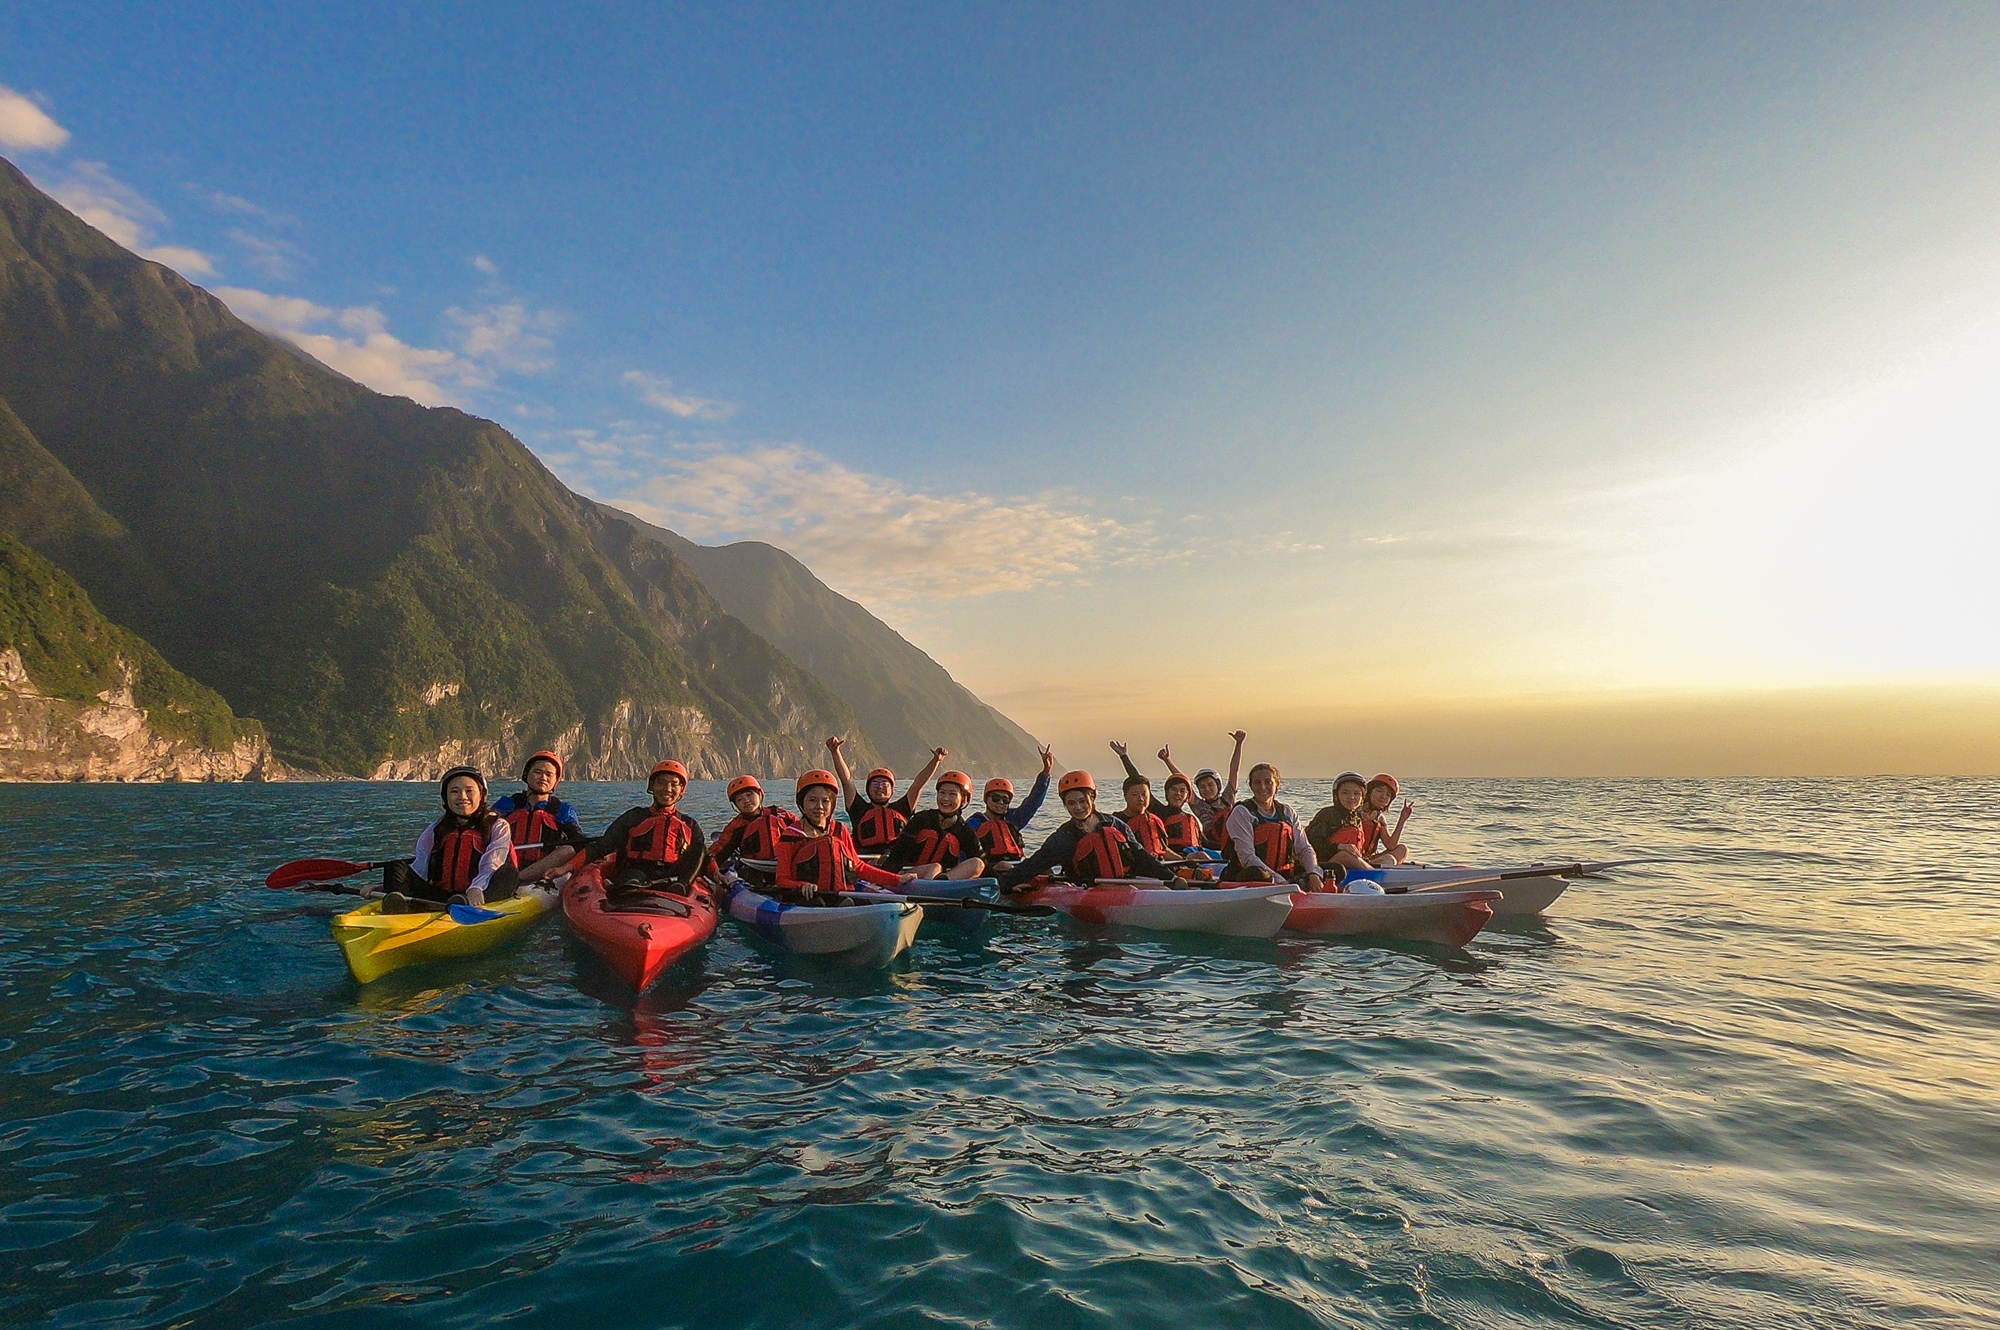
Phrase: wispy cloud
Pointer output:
(870, 535)
(357, 342)
(242, 207)
(507, 336)
(275, 259)
(26, 127)
(485, 265)
(655, 390)
(128, 217)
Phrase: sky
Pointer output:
(1456, 389)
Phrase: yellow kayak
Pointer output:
(375, 943)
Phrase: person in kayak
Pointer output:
(1336, 833)
(1000, 824)
(1088, 847)
(1177, 815)
(754, 832)
(546, 832)
(659, 848)
(939, 841)
(1210, 799)
(467, 855)
(1381, 844)
(817, 861)
(1266, 842)
(878, 817)
(1139, 817)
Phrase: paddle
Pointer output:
(462, 913)
(286, 876)
(963, 902)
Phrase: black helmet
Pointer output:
(445, 781)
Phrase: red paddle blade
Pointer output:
(312, 870)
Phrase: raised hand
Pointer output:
(1166, 753)
(940, 753)
(1118, 748)
(1048, 760)
(1404, 816)
(834, 744)
(1239, 736)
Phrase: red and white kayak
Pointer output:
(1528, 895)
(1447, 918)
(1247, 911)
(641, 941)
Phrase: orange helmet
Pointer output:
(880, 773)
(960, 779)
(742, 783)
(1000, 785)
(1386, 779)
(544, 756)
(667, 768)
(1076, 780)
(816, 777)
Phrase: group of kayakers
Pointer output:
(481, 851)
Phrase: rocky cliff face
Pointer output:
(112, 738)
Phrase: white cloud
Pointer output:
(122, 213)
(657, 391)
(509, 336)
(246, 208)
(275, 259)
(867, 534)
(26, 126)
(484, 264)
(357, 342)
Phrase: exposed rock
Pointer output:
(55, 739)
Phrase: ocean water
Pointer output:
(1754, 1086)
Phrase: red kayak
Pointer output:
(638, 942)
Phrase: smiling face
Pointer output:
(950, 798)
(1380, 797)
(998, 802)
(1264, 784)
(748, 801)
(1079, 803)
(463, 796)
(1177, 794)
(666, 788)
(816, 804)
(1209, 787)
(541, 778)
(1348, 796)
(1138, 798)
(880, 789)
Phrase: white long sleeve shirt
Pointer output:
(497, 851)
(1242, 828)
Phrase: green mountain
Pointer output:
(905, 700)
(82, 697)
(389, 587)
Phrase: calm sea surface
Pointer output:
(1755, 1088)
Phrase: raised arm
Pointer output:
(1167, 756)
(1235, 762)
(1125, 756)
(840, 771)
(1021, 814)
(938, 755)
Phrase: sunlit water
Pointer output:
(1756, 1087)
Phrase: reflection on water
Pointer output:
(1751, 1086)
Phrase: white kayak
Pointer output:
(871, 934)
(1528, 895)
(1447, 918)
(1247, 911)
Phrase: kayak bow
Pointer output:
(641, 942)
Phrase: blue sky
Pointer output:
(1323, 359)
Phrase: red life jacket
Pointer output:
(1183, 829)
(1374, 832)
(878, 827)
(533, 826)
(1272, 837)
(1100, 853)
(1148, 830)
(660, 839)
(753, 837)
(997, 837)
(455, 854)
(825, 861)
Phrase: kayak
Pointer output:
(375, 943)
(1448, 918)
(871, 934)
(637, 943)
(1518, 896)
(1247, 911)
